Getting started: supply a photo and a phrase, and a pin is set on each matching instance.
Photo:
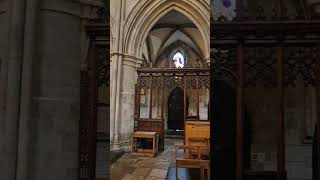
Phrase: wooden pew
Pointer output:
(197, 133)
(193, 161)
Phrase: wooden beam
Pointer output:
(185, 105)
(92, 106)
(239, 108)
(139, 99)
(150, 108)
(198, 100)
(162, 106)
(280, 119)
(162, 95)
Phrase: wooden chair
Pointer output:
(193, 161)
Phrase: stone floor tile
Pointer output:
(162, 165)
(153, 178)
(142, 171)
(133, 177)
(159, 173)
(144, 164)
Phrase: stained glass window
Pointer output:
(178, 60)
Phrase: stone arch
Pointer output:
(147, 13)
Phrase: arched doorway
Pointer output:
(176, 110)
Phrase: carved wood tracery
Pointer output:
(277, 48)
(165, 78)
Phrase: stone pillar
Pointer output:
(24, 158)
(56, 92)
(127, 100)
(113, 76)
(4, 33)
(14, 60)
(116, 71)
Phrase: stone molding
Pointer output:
(128, 60)
(84, 9)
(146, 13)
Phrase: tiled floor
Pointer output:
(161, 167)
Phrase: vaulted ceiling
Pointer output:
(171, 28)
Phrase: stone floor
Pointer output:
(161, 167)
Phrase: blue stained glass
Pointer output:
(226, 3)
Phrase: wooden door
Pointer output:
(223, 124)
(176, 110)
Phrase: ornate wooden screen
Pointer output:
(259, 48)
(96, 74)
(186, 78)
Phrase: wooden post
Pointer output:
(162, 95)
(92, 107)
(150, 108)
(139, 97)
(185, 105)
(280, 122)
(239, 124)
(162, 106)
(198, 101)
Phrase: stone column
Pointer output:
(24, 158)
(126, 103)
(4, 32)
(116, 72)
(113, 76)
(56, 92)
(13, 89)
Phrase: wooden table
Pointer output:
(144, 135)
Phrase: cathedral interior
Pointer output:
(159, 89)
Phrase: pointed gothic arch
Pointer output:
(147, 13)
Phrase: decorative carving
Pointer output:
(165, 78)
(204, 82)
(260, 67)
(156, 81)
(191, 82)
(304, 62)
(261, 12)
(144, 82)
(223, 65)
(175, 81)
(103, 67)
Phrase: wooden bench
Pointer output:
(197, 134)
(201, 142)
(191, 161)
(142, 151)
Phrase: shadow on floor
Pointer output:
(184, 174)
